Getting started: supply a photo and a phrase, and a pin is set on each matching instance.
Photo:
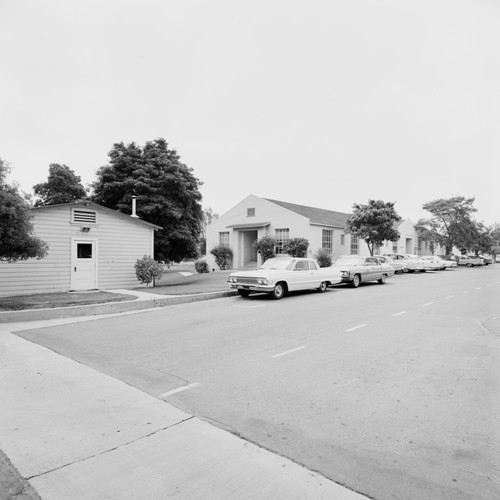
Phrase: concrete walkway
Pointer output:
(76, 433)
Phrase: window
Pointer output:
(282, 236)
(250, 212)
(327, 240)
(224, 238)
(342, 239)
(354, 245)
(83, 216)
(395, 246)
(301, 265)
(84, 250)
(376, 250)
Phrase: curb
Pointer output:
(108, 307)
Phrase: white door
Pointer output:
(84, 265)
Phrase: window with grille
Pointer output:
(250, 212)
(354, 245)
(224, 239)
(395, 246)
(80, 216)
(282, 236)
(327, 240)
(342, 239)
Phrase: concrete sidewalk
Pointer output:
(75, 433)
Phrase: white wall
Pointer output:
(120, 243)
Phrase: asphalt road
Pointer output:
(392, 390)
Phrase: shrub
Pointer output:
(223, 256)
(296, 247)
(323, 257)
(201, 266)
(266, 247)
(148, 270)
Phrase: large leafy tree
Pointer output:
(167, 194)
(450, 224)
(62, 186)
(17, 241)
(374, 223)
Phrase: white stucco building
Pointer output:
(255, 217)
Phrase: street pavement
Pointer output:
(71, 432)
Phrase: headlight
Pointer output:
(232, 279)
(345, 274)
(262, 281)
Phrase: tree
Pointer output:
(450, 223)
(62, 186)
(167, 194)
(17, 241)
(373, 223)
(148, 270)
(209, 216)
(296, 247)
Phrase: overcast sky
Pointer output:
(321, 103)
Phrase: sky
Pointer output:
(323, 103)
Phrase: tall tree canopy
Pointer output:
(374, 223)
(450, 224)
(62, 186)
(17, 241)
(167, 194)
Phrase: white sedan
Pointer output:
(280, 275)
(433, 263)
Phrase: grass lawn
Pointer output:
(61, 299)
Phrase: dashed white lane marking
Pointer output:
(428, 304)
(479, 288)
(288, 352)
(399, 313)
(466, 291)
(179, 389)
(356, 327)
(450, 296)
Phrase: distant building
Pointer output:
(255, 217)
(90, 247)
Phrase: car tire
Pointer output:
(404, 270)
(322, 287)
(279, 291)
(382, 279)
(469, 264)
(356, 280)
(244, 293)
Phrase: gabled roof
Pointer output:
(95, 206)
(318, 216)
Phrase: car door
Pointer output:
(300, 277)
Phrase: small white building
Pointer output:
(255, 217)
(90, 247)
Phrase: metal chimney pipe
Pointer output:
(134, 204)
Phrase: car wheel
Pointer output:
(322, 287)
(244, 293)
(356, 280)
(469, 264)
(383, 279)
(278, 291)
(405, 269)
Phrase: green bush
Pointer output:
(223, 256)
(323, 257)
(296, 247)
(201, 266)
(148, 270)
(266, 246)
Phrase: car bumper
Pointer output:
(251, 288)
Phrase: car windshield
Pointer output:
(280, 264)
(348, 260)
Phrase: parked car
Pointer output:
(469, 261)
(487, 259)
(356, 270)
(432, 263)
(449, 263)
(280, 275)
(400, 266)
(413, 263)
